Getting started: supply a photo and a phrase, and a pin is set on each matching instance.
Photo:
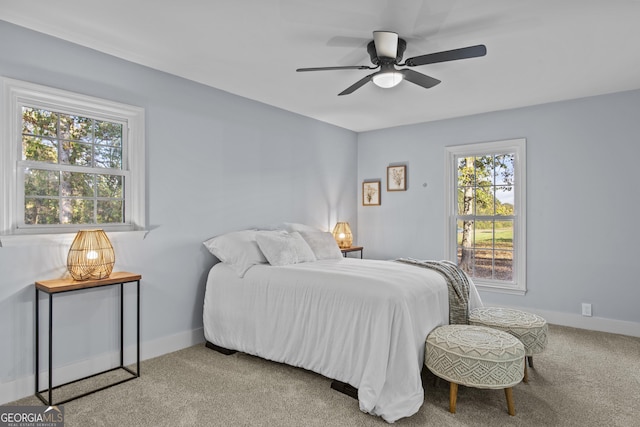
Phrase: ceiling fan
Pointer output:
(386, 51)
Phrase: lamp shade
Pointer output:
(342, 234)
(90, 256)
(387, 80)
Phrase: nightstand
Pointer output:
(60, 286)
(345, 251)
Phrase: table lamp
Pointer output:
(342, 234)
(91, 255)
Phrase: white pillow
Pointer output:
(284, 248)
(239, 249)
(323, 245)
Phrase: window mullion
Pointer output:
(69, 168)
(95, 197)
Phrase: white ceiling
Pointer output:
(538, 51)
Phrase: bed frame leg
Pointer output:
(219, 349)
(345, 388)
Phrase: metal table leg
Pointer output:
(37, 325)
(50, 348)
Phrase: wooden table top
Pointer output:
(69, 284)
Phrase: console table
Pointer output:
(59, 286)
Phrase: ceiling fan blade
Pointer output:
(419, 78)
(357, 85)
(347, 67)
(386, 43)
(448, 55)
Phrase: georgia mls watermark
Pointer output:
(31, 416)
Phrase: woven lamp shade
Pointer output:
(342, 234)
(91, 255)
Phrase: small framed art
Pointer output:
(371, 193)
(397, 178)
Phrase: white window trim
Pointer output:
(517, 146)
(16, 92)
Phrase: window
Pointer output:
(485, 191)
(70, 161)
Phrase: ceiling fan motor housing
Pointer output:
(376, 60)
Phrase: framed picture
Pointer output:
(371, 193)
(397, 178)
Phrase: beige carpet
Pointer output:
(584, 378)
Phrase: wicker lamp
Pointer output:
(91, 255)
(342, 234)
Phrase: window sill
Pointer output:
(497, 288)
(62, 238)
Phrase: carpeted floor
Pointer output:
(584, 378)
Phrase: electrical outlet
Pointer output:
(586, 309)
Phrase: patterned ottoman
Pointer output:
(529, 328)
(475, 356)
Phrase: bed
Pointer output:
(360, 322)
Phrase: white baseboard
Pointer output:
(601, 324)
(23, 387)
(171, 343)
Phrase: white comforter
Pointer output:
(362, 322)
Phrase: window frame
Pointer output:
(452, 153)
(15, 94)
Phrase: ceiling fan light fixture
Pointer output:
(388, 79)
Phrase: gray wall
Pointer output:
(582, 197)
(216, 162)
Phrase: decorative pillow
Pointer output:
(239, 249)
(322, 243)
(284, 248)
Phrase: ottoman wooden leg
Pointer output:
(530, 359)
(453, 396)
(526, 374)
(510, 405)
